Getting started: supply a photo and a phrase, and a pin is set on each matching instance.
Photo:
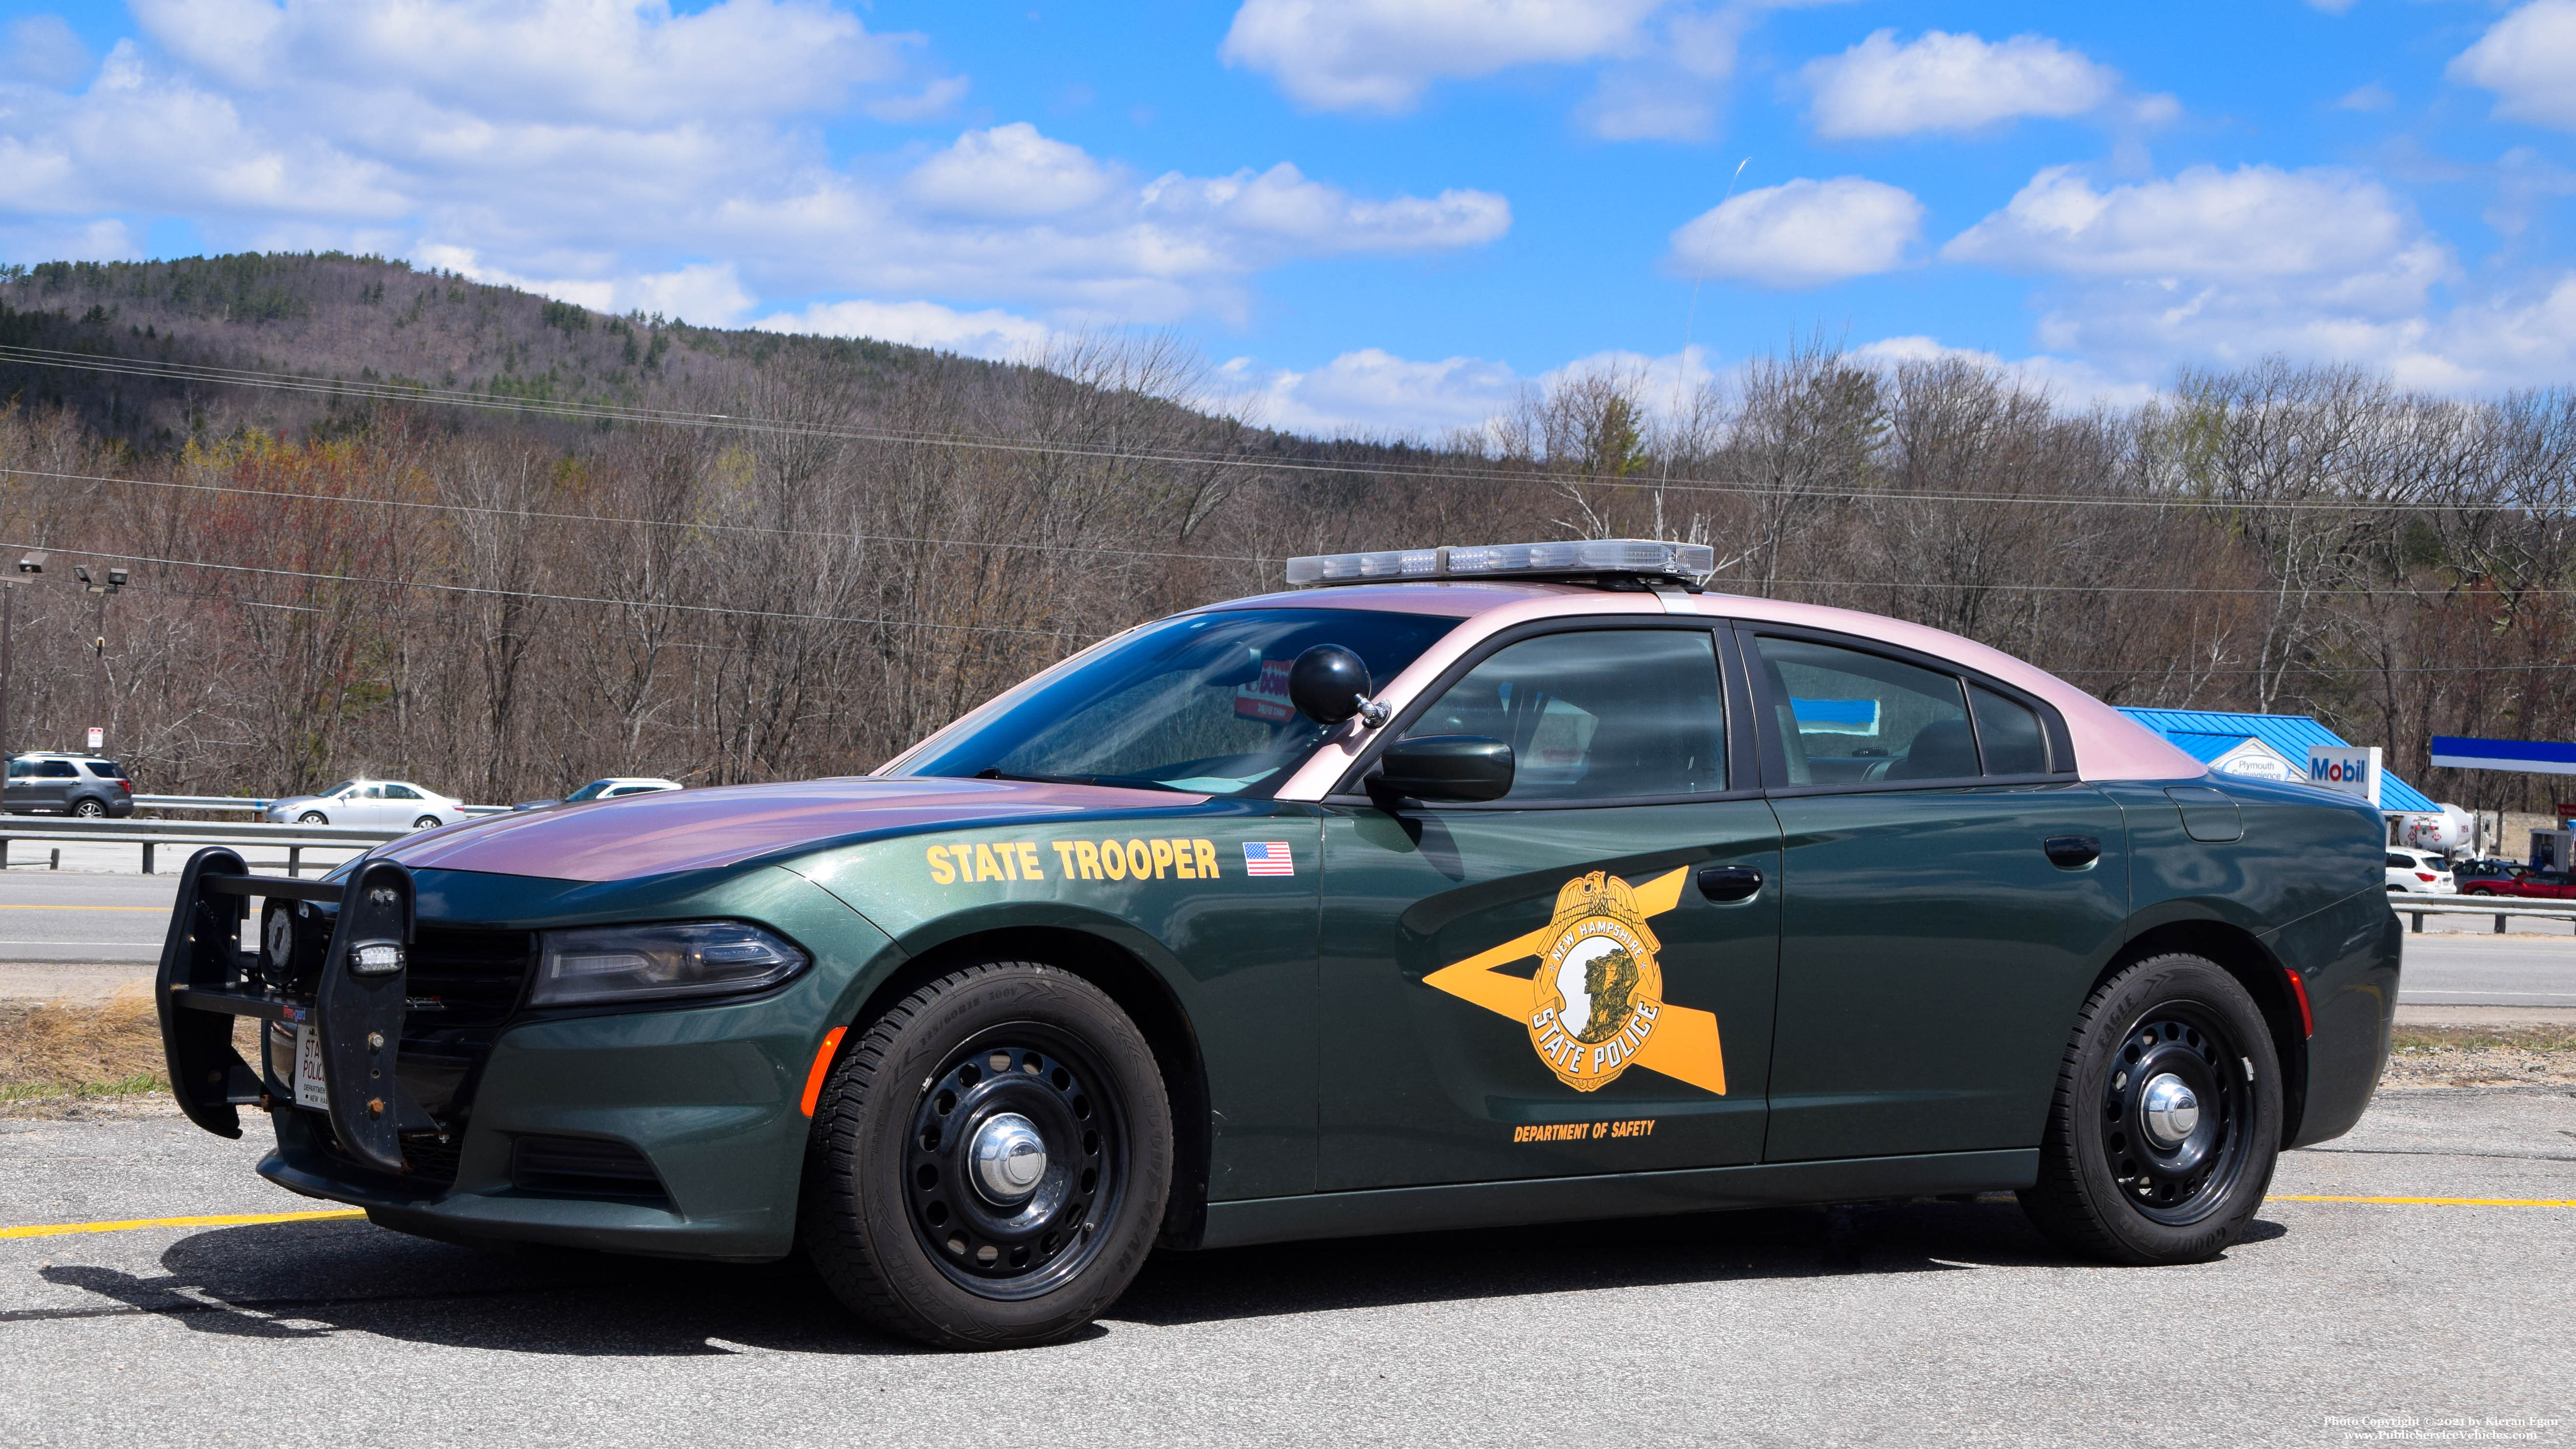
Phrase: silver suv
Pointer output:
(43, 782)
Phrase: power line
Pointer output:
(1452, 473)
(1167, 554)
(714, 609)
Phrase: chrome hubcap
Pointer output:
(1008, 1159)
(2170, 1111)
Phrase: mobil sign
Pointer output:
(2348, 769)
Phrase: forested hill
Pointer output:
(330, 317)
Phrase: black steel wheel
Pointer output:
(989, 1159)
(2166, 1121)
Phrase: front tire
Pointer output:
(2166, 1122)
(926, 1209)
(312, 817)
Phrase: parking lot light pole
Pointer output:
(31, 564)
(113, 583)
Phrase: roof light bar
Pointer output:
(1640, 557)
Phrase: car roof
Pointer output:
(2108, 744)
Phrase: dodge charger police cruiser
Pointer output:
(1451, 887)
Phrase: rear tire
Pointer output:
(426, 822)
(904, 1225)
(89, 810)
(2123, 1182)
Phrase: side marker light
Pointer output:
(822, 1065)
(2299, 989)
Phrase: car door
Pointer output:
(403, 805)
(1539, 985)
(55, 780)
(22, 785)
(1949, 890)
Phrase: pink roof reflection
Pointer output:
(679, 830)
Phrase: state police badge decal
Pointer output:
(1596, 1005)
(1599, 990)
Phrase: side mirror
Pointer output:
(1328, 684)
(1447, 767)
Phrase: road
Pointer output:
(111, 926)
(1923, 1323)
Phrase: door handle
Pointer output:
(2072, 852)
(1729, 882)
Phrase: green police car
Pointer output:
(1454, 887)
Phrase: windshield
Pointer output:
(336, 789)
(1197, 703)
(587, 792)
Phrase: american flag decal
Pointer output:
(1268, 857)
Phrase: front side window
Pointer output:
(21, 769)
(1846, 717)
(1612, 714)
(1196, 703)
(591, 791)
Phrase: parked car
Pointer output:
(42, 782)
(614, 787)
(2534, 885)
(1502, 885)
(2419, 872)
(2467, 873)
(371, 804)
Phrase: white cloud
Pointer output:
(2227, 267)
(628, 62)
(2255, 221)
(2367, 97)
(2528, 59)
(1009, 171)
(43, 49)
(1373, 393)
(1380, 55)
(1802, 234)
(661, 142)
(990, 332)
(1945, 82)
(2070, 382)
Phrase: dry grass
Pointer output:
(51, 1051)
(2477, 1056)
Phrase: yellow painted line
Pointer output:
(220, 1220)
(2556, 1202)
(16, 906)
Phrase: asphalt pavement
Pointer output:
(1909, 1324)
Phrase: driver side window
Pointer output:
(1598, 715)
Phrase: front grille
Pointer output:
(584, 1167)
(461, 978)
(432, 1156)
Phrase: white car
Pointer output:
(368, 804)
(612, 788)
(2419, 872)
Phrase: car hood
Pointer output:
(679, 830)
(294, 801)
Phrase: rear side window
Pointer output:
(1846, 717)
(2399, 862)
(56, 769)
(106, 769)
(2008, 733)
(1612, 714)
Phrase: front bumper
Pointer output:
(704, 1101)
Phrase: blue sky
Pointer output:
(1375, 215)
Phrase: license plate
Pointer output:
(311, 1088)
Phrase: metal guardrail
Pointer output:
(252, 805)
(149, 834)
(2466, 905)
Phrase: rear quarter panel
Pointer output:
(2307, 881)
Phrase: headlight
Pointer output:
(640, 963)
